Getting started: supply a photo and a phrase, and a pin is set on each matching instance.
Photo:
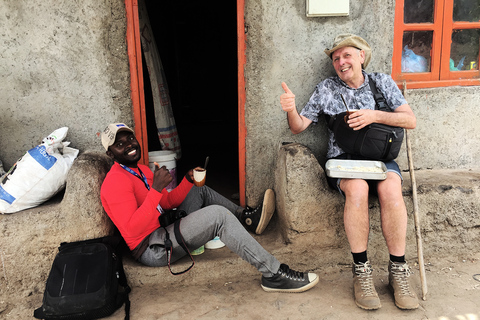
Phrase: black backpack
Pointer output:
(86, 281)
(374, 142)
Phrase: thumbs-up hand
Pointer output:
(287, 99)
(161, 178)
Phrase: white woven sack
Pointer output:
(38, 175)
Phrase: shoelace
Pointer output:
(400, 274)
(292, 274)
(250, 211)
(364, 274)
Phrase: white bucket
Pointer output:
(164, 158)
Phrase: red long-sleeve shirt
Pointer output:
(132, 207)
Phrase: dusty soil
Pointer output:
(221, 286)
(453, 293)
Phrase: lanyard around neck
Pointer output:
(140, 176)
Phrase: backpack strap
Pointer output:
(122, 280)
(380, 103)
(115, 243)
(330, 120)
(39, 313)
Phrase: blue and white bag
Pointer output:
(38, 175)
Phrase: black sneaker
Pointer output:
(256, 220)
(288, 280)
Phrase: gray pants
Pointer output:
(210, 215)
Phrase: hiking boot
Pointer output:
(398, 273)
(256, 220)
(365, 295)
(288, 280)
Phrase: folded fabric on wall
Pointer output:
(165, 121)
(38, 175)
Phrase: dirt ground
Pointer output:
(453, 293)
(233, 290)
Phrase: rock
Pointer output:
(29, 239)
(305, 202)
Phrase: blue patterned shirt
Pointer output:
(326, 99)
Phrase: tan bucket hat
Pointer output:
(351, 40)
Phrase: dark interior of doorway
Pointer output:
(197, 42)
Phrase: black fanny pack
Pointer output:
(375, 141)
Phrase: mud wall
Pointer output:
(64, 63)
(284, 45)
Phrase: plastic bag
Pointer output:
(412, 62)
(38, 175)
(459, 65)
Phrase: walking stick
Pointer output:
(415, 209)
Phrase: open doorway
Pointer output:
(197, 43)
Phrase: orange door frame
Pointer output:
(136, 84)
(136, 76)
(242, 129)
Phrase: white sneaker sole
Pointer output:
(268, 208)
(295, 290)
(214, 244)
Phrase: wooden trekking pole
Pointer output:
(415, 208)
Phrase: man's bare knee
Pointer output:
(354, 187)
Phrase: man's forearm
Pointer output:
(402, 117)
(296, 122)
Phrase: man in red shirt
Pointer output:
(134, 197)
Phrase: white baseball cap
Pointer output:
(110, 132)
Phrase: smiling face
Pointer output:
(347, 62)
(125, 150)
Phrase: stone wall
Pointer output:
(284, 45)
(311, 214)
(64, 64)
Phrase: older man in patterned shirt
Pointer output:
(350, 55)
